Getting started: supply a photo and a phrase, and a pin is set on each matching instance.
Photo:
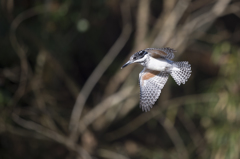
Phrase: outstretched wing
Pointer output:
(161, 52)
(151, 84)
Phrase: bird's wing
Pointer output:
(161, 52)
(151, 84)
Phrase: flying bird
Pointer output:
(157, 67)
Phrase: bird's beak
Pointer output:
(128, 63)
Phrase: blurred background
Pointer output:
(64, 96)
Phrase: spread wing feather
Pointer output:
(161, 52)
(150, 88)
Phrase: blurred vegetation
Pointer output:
(63, 94)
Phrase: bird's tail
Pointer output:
(181, 72)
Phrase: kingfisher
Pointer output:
(157, 67)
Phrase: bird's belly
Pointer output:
(158, 65)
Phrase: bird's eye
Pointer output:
(141, 52)
(134, 58)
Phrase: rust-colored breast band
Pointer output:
(149, 74)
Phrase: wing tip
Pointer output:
(145, 108)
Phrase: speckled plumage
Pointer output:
(157, 67)
(150, 89)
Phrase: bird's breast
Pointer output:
(158, 64)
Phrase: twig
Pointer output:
(194, 6)
(4, 127)
(105, 105)
(51, 134)
(71, 85)
(169, 35)
(118, 79)
(140, 43)
(97, 73)
(175, 137)
(36, 86)
(170, 24)
(110, 154)
(143, 118)
(127, 106)
(233, 8)
(205, 18)
(167, 8)
(73, 88)
(22, 55)
(183, 34)
(196, 137)
(111, 112)
(142, 21)
(21, 52)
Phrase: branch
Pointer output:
(97, 73)
(104, 106)
(195, 23)
(51, 134)
(196, 137)
(110, 154)
(4, 127)
(144, 117)
(21, 52)
(36, 41)
(175, 137)
(142, 21)
(170, 24)
(167, 9)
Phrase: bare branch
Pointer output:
(110, 154)
(104, 106)
(170, 24)
(142, 21)
(143, 118)
(4, 127)
(73, 88)
(167, 9)
(196, 137)
(51, 134)
(175, 137)
(21, 52)
(183, 34)
(97, 73)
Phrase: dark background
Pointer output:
(63, 94)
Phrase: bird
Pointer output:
(157, 68)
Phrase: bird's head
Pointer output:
(139, 57)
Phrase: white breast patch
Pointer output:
(158, 64)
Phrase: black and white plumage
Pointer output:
(157, 67)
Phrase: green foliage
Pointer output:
(221, 120)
